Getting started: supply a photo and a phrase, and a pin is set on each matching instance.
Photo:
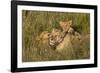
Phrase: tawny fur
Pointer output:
(58, 39)
(55, 37)
(43, 37)
(64, 44)
(65, 25)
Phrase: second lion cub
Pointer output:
(55, 37)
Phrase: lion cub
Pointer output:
(70, 34)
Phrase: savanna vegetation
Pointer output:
(35, 22)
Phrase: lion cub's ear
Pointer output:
(70, 22)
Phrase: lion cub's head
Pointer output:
(55, 37)
(43, 37)
(65, 25)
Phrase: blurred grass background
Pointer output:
(35, 22)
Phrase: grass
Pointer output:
(35, 22)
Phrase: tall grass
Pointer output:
(35, 22)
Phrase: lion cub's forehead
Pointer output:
(65, 22)
(56, 31)
(44, 34)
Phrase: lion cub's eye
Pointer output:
(51, 38)
(48, 34)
